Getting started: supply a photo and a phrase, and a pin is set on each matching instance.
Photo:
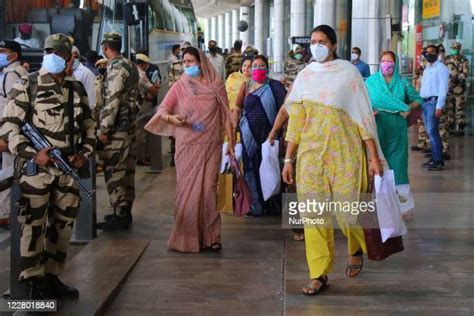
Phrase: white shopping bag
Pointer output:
(270, 174)
(225, 160)
(388, 206)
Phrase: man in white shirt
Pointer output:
(217, 60)
(434, 91)
(25, 39)
(85, 76)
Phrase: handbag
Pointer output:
(414, 116)
(376, 249)
(242, 199)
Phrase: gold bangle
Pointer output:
(375, 160)
(167, 118)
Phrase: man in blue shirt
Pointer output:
(434, 91)
(356, 61)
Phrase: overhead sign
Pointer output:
(300, 40)
(431, 8)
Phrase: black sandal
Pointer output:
(310, 290)
(358, 267)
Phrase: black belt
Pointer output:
(430, 99)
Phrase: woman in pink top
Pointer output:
(195, 111)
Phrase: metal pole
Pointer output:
(17, 290)
(84, 229)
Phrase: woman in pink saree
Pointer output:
(195, 111)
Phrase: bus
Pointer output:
(152, 26)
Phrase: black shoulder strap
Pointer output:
(70, 114)
(4, 93)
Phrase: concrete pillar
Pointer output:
(371, 28)
(220, 30)
(325, 12)
(297, 17)
(235, 22)
(207, 31)
(213, 28)
(228, 30)
(245, 16)
(258, 22)
(278, 41)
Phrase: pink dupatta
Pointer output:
(191, 99)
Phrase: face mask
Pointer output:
(54, 64)
(3, 60)
(212, 49)
(387, 68)
(259, 75)
(75, 64)
(454, 51)
(192, 71)
(298, 56)
(320, 52)
(354, 57)
(431, 58)
(102, 71)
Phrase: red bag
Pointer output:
(242, 197)
(376, 249)
(414, 116)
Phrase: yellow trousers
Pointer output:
(319, 240)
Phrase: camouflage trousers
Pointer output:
(423, 140)
(120, 161)
(455, 106)
(47, 209)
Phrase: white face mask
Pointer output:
(354, 57)
(320, 52)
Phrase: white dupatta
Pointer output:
(337, 84)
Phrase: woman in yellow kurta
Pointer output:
(332, 130)
(235, 80)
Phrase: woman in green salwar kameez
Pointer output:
(392, 100)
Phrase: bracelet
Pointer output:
(288, 160)
(375, 160)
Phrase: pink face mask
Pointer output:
(259, 75)
(387, 68)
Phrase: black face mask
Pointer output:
(213, 49)
(102, 71)
(431, 58)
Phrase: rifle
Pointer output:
(39, 142)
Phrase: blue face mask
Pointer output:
(54, 64)
(3, 60)
(192, 71)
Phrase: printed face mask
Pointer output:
(387, 68)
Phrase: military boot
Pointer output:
(58, 288)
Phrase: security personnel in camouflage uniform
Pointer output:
(117, 132)
(11, 71)
(293, 65)
(49, 198)
(458, 65)
(176, 69)
(233, 62)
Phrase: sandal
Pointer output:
(216, 247)
(298, 237)
(310, 290)
(357, 267)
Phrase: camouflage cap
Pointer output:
(59, 42)
(101, 61)
(298, 49)
(112, 37)
(456, 45)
